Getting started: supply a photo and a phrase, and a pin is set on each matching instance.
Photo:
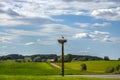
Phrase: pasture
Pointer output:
(21, 77)
(93, 67)
(10, 70)
(28, 68)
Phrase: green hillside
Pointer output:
(93, 67)
(31, 68)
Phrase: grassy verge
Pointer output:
(17, 77)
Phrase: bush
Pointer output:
(118, 67)
(109, 69)
(83, 67)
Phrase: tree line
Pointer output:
(50, 58)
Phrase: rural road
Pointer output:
(92, 76)
(96, 76)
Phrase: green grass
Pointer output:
(17, 77)
(31, 68)
(93, 67)
(10, 70)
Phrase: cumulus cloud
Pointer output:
(92, 0)
(101, 33)
(29, 43)
(97, 25)
(45, 42)
(7, 38)
(96, 35)
(79, 0)
(108, 14)
(48, 30)
(27, 12)
(105, 24)
(82, 36)
(83, 25)
(107, 39)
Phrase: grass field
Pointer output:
(93, 67)
(32, 68)
(10, 70)
(17, 77)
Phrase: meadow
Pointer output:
(27, 68)
(21, 77)
(10, 70)
(93, 67)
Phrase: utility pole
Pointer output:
(62, 41)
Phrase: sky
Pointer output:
(91, 27)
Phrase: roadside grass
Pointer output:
(21, 77)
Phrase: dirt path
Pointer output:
(96, 76)
(55, 65)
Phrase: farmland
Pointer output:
(93, 67)
(10, 70)
(32, 68)
(21, 77)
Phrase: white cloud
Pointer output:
(96, 35)
(108, 14)
(107, 39)
(83, 25)
(48, 30)
(4, 53)
(45, 42)
(37, 12)
(82, 35)
(105, 24)
(97, 25)
(7, 38)
(29, 43)
(101, 33)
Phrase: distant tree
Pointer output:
(68, 58)
(56, 59)
(74, 59)
(83, 59)
(15, 56)
(5, 58)
(119, 59)
(106, 58)
(37, 59)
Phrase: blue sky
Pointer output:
(91, 27)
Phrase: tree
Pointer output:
(68, 58)
(106, 58)
(118, 59)
(83, 59)
(37, 59)
(15, 56)
(83, 67)
(56, 59)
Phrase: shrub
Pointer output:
(118, 67)
(109, 69)
(83, 67)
